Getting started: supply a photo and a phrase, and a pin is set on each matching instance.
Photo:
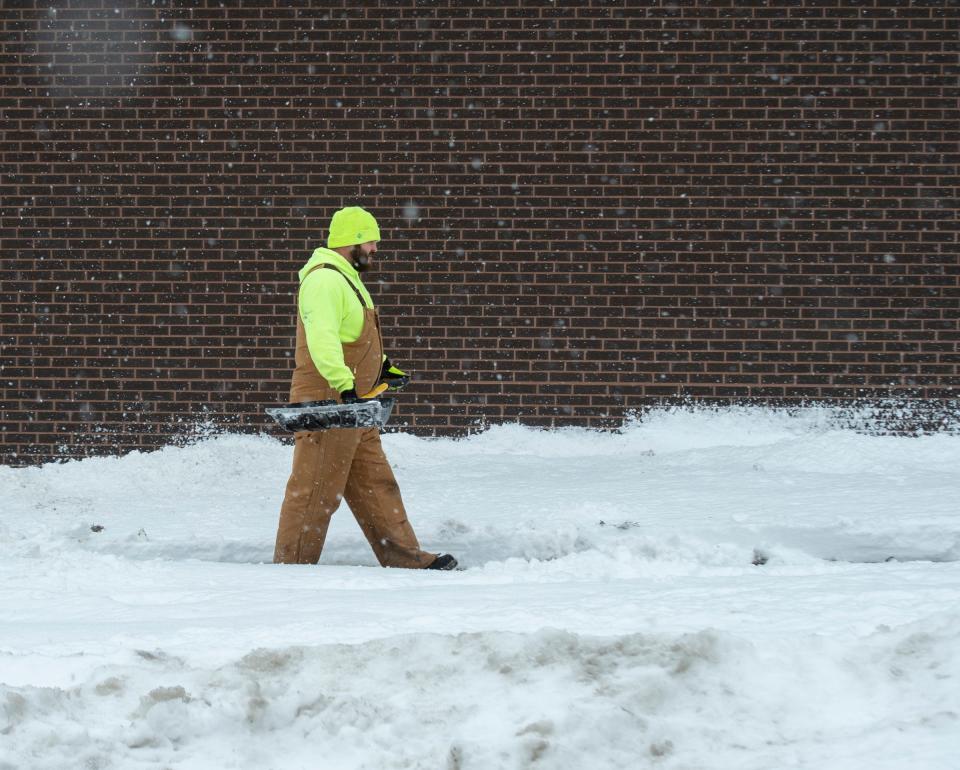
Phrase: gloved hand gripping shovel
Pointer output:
(369, 411)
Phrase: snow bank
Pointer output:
(548, 698)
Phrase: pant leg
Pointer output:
(374, 497)
(321, 466)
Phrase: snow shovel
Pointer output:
(372, 411)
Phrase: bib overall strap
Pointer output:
(355, 289)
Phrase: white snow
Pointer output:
(611, 613)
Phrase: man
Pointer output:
(339, 354)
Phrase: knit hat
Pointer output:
(350, 226)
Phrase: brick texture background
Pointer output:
(587, 205)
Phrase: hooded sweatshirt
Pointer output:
(331, 314)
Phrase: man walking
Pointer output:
(339, 354)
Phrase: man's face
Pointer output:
(361, 255)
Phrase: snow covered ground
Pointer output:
(739, 588)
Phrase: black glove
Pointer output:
(394, 378)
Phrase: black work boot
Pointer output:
(444, 561)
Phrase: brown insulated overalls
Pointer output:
(344, 463)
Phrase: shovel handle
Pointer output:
(376, 391)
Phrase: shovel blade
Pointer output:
(364, 414)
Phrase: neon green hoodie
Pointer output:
(331, 314)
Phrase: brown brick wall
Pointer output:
(586, 205)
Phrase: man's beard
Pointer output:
(359, 260)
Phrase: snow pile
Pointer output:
(739, 588)
(506, 700)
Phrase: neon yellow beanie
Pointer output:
(350, 226)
